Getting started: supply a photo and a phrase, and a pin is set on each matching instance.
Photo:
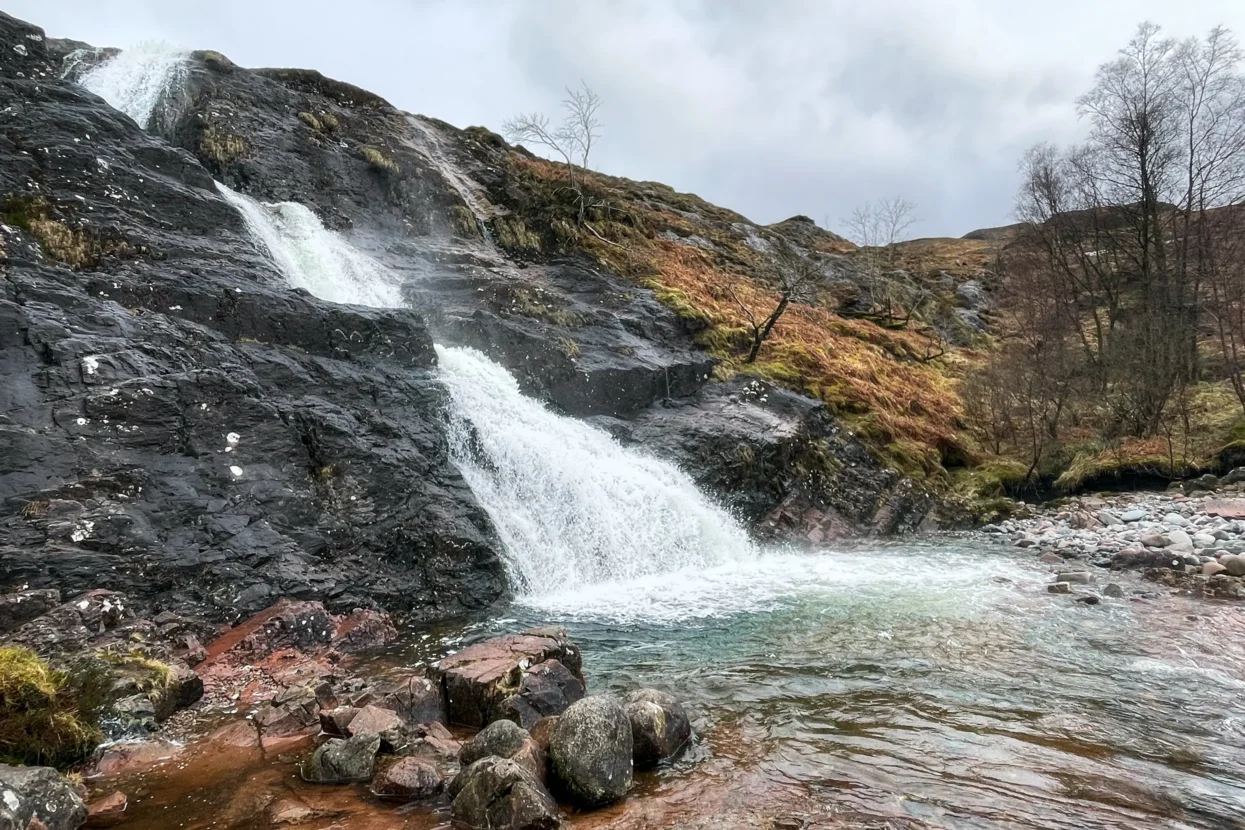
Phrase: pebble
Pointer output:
(1113, 590)
(1077, 577)
(1134, 515)
(1060, 588)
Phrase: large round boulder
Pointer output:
(659, 726)
(498, 794)
(340, 761)
(591, 751)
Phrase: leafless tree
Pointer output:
(875, 228)
(571, 140)
(799, 272)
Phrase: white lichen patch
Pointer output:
(90, 364)
(82, 531)
(11, 800)
(83, 422)
(20, 49)
(237, 471)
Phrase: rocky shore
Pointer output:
(1190, 538)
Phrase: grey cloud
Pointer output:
(769, 108)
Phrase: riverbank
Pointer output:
(1190, 539)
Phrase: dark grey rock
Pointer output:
(591, 751)
(502, 738)
(659, 726)
(339, 761)
(497, 794)
(413, 778)
(38, 797)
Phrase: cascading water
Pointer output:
(139, 79)
(573, 506)
(314, 258)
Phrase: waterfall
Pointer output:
(572, 505)
(578, 513)
(137, 80)
(314, 258)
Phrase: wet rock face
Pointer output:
(339, 761)
(177, 422)
(32, 797)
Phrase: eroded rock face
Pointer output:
(339, 761)
(38, 797)
(591, 751)
(167, 430)
(479, 681)
(498, 794)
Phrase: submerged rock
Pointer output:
(413, 778)
(591, 752)
(659, 726)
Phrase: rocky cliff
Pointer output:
(177, 422)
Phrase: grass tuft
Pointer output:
(46, 716)
(378, 159)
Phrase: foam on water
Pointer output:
(137, 79)
(574, 507)
(314, 258)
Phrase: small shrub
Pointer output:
(222, 147)
(330, 122)
(378, 159)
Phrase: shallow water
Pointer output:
(937, 684)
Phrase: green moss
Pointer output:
(513, 234)
(46, 716)
(377, 159)
(486, 136)
(221, 146)
(311, 121)
(330, 122)
(464, 221)
(991, 479)
(75, 247)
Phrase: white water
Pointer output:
(313, 257)
(574, 507)
(137, 79)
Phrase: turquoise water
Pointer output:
(935, 684)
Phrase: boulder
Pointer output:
(1212, 569)
(546, 689)
(502, 738)
(479, 680)
(505, 739)
(1235, 564)
(497, 794)
(373, 720)
(413, 778)
(1179, 542)
(335, 721)
(363, 630)
(33, 797)
(340, 761)
(591, 751)
(1113, 590)
(659, 726)
(542, 732)
(1154, 540)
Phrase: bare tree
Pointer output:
(875, 228)
(799, 272)
(571, 140)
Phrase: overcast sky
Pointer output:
(768, 107)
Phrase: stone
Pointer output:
(1179, 542)
(38, 794)
(1154, 540)
(20, 607)
(546, 689)
(107, 811)
(413, 778)
(1113, 590)
(591, 751)
(417, 699)
(497, 794)
(1088, 599)
(335, 721)
(1134, 515)
(1109, 519)
(542, 732)
(373, 720)
(1051, 559)
(659, 726)
(1075, 577)
(501, 738)
(1175, 520)
(478, 680)
(1059, 588)
(1204, 540)
(1213, 569)
(1234, 564)
(363, 630)
(339, 761)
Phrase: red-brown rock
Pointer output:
(373, 720)
(410, 778)
(106, 811)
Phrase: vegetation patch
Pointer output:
(76, 247)
(377, 159)
(220, 146)
(311, 121)
(47, 716)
